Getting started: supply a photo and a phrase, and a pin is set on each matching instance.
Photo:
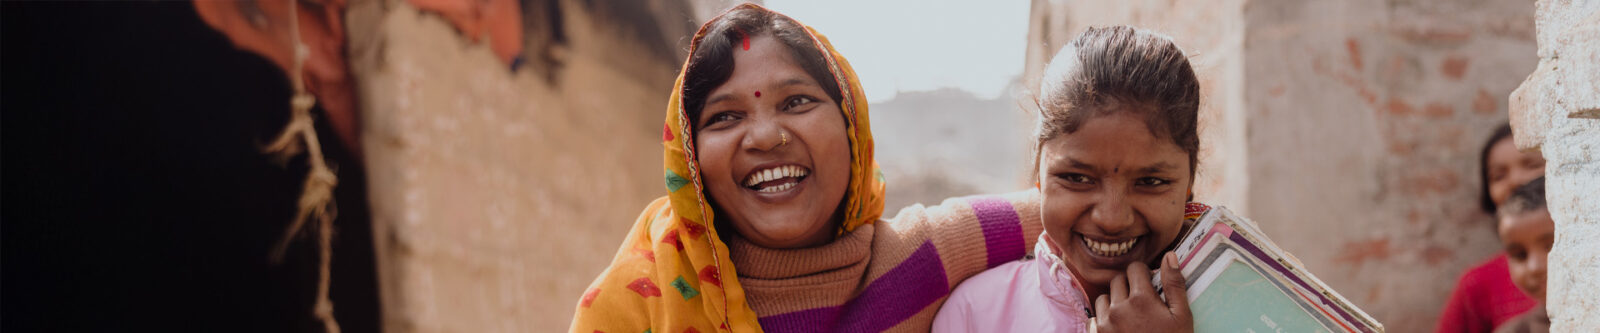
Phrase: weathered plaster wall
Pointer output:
(1349, 129)
(1557, 112)
(495, 198)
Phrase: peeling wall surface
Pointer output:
(1557, 112)
(1349, 129)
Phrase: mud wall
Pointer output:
(499, 193)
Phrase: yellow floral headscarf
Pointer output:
(673, 273)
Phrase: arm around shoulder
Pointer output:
(975, 233)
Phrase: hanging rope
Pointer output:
(316, 198)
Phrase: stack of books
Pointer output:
(1239, 281)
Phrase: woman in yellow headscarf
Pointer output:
(771, 221)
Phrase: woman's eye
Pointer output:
(798, 101)
(1076, 178)
(1152, 181)
(721, 117)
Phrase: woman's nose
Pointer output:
(766, 133)
(1112, 213)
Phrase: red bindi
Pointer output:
(758, 93)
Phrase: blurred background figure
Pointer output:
(1485, 297)
(1527, 233)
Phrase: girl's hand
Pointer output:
(1133, 306)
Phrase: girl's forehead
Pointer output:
(1114, 134)
(1115, 157)
(1528, 224)
(1109, 150)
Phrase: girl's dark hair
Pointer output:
(1121, 69)
(712, 62)
(1526, 198)
(1500, 133)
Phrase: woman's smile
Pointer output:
(1109, 248)
(1111, 253)
(777, 183)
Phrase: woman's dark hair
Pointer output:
(712, 62)
(1526, 198)
(1121, 69)
(1500, 133)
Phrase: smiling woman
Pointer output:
(772, 218)
(780, 193)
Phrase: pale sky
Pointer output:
(976, 46)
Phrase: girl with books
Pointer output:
(1116, 145)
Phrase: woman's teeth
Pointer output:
(778, 173)
(1109, 249)
(771, 189)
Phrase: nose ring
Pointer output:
(785, 137)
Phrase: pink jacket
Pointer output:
(1034, 294)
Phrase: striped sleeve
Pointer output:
(973, 234)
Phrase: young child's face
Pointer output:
(1527, 238)
(1113, 194)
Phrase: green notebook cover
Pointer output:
(1241, 299)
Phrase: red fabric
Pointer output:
(1483, 299)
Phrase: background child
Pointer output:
(1116, 153)
(1527, 232)
(1484, 298)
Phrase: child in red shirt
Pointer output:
(1527, 232)
(1485, 296)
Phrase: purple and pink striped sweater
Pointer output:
(889, 276)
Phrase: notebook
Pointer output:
(1239, 281)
